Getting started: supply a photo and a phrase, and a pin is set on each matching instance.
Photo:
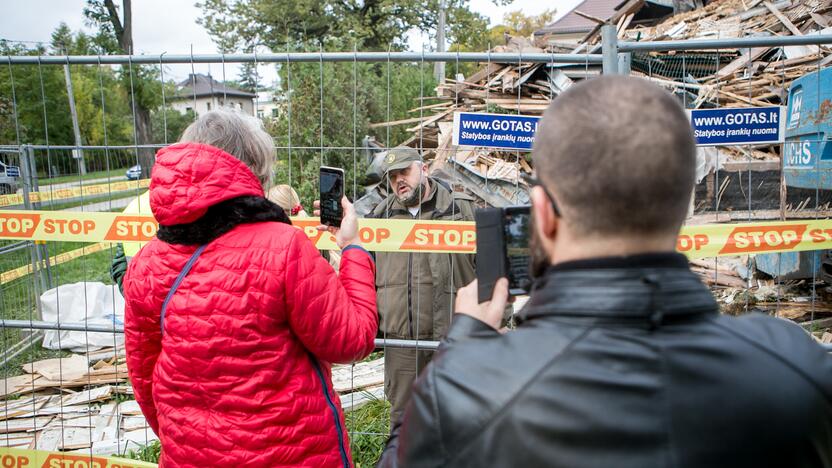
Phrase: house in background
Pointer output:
(267, 105)
(202, 93)
(572, 27)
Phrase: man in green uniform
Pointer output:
(416, 290)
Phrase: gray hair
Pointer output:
(239, 135)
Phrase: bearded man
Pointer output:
(416, 290)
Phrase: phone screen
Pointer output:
(332, 190)
(516, 230)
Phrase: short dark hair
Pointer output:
(618, 154)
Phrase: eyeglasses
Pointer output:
(534, 182)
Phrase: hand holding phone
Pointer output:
(332, 191)
(347, 233)
(503, 249)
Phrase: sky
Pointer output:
(170, 26)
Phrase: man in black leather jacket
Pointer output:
(621, 358)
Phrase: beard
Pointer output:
(413, 197)
(539, 261)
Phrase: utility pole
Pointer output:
(77, 153)
(439, 67)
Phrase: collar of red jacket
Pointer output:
(189, 178)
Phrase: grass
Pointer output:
(368, 427)
(19, 302)
(148, 453)
(57, 206)
(45, 182)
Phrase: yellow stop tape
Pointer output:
(405, 235)
(50, 195)
(20, 272)
(19, 458)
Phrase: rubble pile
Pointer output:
(84, 403)
(702, 79)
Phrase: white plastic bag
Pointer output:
(90, 303)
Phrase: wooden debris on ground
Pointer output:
(57, 410)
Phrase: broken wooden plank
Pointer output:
(59, 369)
(592, 18)
(88, 396)
(360, 375)
(355, 400)
(780, 16)
(433, 119)
(742, 61)
(398, 122)
(23, 425)
(129, 408)
(819, 20)
(106, 423)
(132, 423)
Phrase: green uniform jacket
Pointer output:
(416, 291)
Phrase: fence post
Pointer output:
(42, 248)
(39, 285)
(625, 61)
(609, 49)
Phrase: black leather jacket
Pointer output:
(621, 367)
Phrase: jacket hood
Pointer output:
(189, 178)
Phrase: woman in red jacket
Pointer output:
(233, 317)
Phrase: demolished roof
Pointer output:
(701, 79)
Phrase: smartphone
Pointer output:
(516, 221)
(504, 231)
(332, 191)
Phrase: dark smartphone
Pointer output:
(504, 232)
(516, 221)
(332, 191)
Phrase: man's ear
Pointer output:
(545, 221)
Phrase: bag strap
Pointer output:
(182, 274)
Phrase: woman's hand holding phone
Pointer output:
(347, 234)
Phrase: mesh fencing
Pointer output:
(64, 370)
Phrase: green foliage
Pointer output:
(368, 427)
(31, 108)
(147, 453)
(519, 24)
(168, 124)
(369, 24)
(354, 95)
(514, 23)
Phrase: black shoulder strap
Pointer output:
(182, 274)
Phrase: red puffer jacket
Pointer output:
(241, 375)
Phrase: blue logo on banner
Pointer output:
(12, 171)
(494, 130)
(737, 126)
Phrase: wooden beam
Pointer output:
(590, 17)
(780, 16)
(819, 20)
(742, 61)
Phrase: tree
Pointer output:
(143, 97)
(102, 105)
(249, 79)
(518, 24)
(371, 24)
(354, 95)
(514, 23)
